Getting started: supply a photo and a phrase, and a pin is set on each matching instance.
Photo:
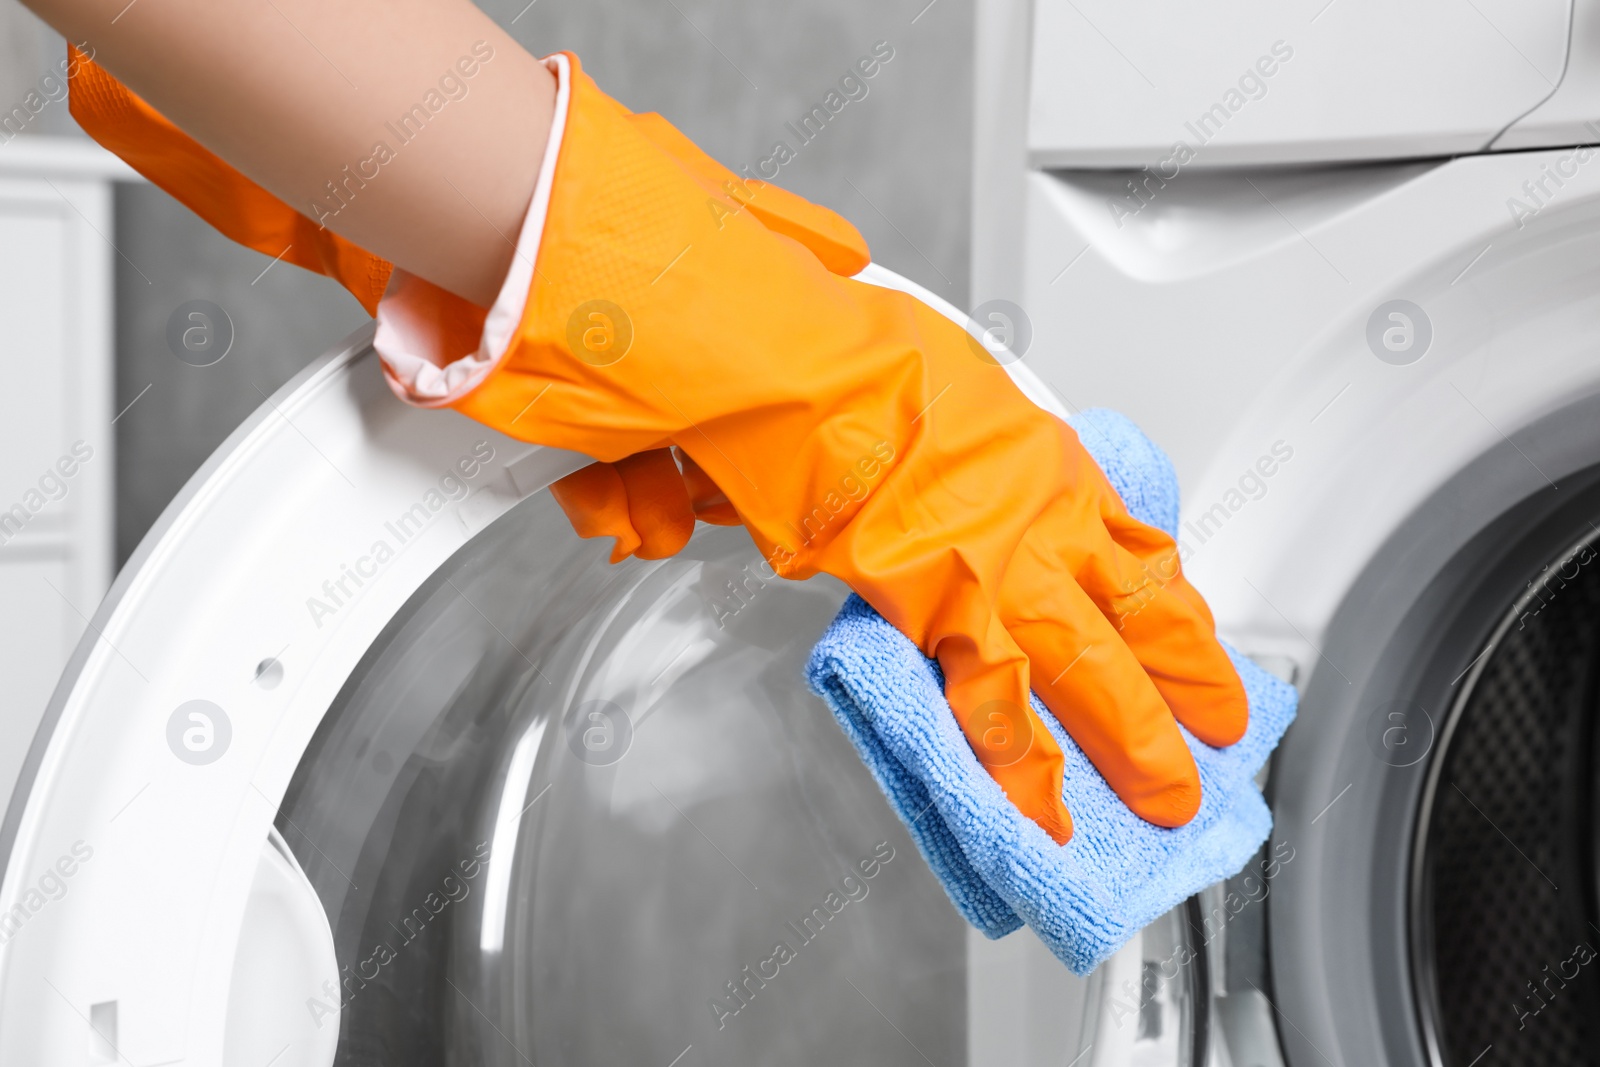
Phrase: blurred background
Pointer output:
(730, 75)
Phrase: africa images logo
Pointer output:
(751, 979)
(452, 485)
(1252, 85)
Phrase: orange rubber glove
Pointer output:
(853, 431)
(858, 432)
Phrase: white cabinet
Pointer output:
(56, 432)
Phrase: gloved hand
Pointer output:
(854, 431)
(858, 432)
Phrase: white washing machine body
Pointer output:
(1355, 298)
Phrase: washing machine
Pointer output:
(1342, 261)
(367, 759)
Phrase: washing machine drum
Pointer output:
(368, 759)
(1505, 890)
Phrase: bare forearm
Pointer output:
(293, 92)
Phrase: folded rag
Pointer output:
(1118, 873)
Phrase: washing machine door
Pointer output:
(368, 759)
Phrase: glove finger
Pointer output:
(1098, 689)
(1157, 554)
(986, 683)
(1171, 630)
(1142, 591)
(658, 502)
(710, 503)
(596, 504)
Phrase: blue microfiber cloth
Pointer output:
(1085, 898)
